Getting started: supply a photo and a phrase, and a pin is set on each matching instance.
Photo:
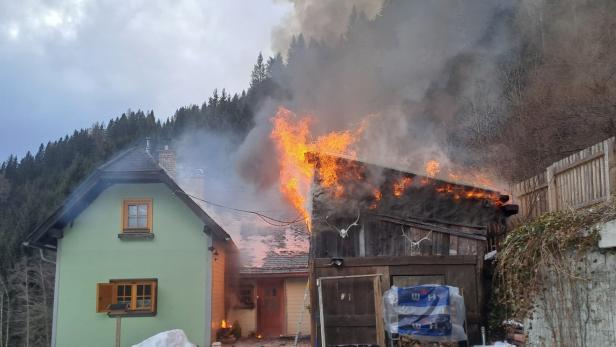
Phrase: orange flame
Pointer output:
(293, 141)
(432, 168)
(474, 178)
(458, 192)
(377, 197)
(401, 185)
(377, 194)
(224, 324)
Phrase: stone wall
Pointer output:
(579, 309)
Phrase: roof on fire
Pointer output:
(134, 165)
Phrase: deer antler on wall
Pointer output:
(418, 242)
(344, 232)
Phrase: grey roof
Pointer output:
(280, 263)
(132, 160)
(274, 250)
(134, 165)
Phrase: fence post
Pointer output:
(552, 193)
(610, 167)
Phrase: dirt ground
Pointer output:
(269, 342)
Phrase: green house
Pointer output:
(131, 243)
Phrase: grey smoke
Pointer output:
(325, 20)
(425, 71)
(208, 169)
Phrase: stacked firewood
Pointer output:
(515, 332)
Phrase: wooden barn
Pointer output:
(374, 227)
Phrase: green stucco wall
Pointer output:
(90, 252)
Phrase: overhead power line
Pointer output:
(267, 219)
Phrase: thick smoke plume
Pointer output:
(320, 20)
(414, 69)
(505, 86)
(208, 170)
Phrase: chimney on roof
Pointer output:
(166, 160)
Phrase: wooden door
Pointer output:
(350, 311)
(270, 307)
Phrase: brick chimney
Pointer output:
(166, 160)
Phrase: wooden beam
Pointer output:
(434, 227)
(350, 320)
(552, 189)
(401, 260)
(610, 180)
(378, 311)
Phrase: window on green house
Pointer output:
(139, 296)
(137, 215)
(124, 294)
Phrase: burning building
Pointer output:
(373, 228)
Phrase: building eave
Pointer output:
(95, 184)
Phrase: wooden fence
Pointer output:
(579, 180)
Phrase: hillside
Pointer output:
(534, 82)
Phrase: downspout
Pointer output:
(45, 259)
(42, 255)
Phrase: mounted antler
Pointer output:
(344, 232)
(418, 242)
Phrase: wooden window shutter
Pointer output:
(154, 296)
(104, 296)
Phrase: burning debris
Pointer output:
(388, 191)
(330, 159)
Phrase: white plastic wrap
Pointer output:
(171, 338)
(426, 313)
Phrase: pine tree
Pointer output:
(259, 73)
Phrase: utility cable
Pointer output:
(267, 219)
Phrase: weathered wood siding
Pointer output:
(579, 180)
(380, 236)
(430, 232)
(294, 307)
(451, 255)
(349, 309)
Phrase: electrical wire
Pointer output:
(267, 219)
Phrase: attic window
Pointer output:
(137, 215)
(139, 296)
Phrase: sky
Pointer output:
(65, 64)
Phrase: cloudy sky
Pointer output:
(65, 64)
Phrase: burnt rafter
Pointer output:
(378, 190)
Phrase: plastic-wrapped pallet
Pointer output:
(426, 313)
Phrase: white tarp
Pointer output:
(171, 338)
